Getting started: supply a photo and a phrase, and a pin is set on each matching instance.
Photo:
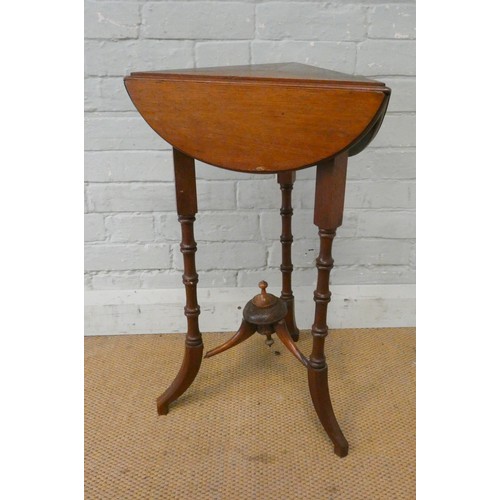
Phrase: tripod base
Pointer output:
(265, 314)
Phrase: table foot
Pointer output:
(191, 362)
(320, 395)
(245, 331)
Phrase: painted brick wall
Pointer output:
(131, 228)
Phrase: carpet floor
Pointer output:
(246, 428)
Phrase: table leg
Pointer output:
(328, 210)
(286, 180)
(185, 185)
(284, 335)
(245, 331)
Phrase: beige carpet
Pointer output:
(246, 428)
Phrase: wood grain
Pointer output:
(288, 72)
(255, 125)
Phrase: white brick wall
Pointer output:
(210, 20)
(131, 227)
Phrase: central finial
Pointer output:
(264, 299)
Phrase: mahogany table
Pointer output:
(269, 118)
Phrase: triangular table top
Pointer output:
(278, 73)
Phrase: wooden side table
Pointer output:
(270, 118)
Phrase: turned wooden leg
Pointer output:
(185, 185)
(328, 210)
(286, 180)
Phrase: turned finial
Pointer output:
(264, 309)
(264, 299)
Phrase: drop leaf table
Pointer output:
(268, 118)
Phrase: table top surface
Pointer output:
(279, 73)
(260, 118)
